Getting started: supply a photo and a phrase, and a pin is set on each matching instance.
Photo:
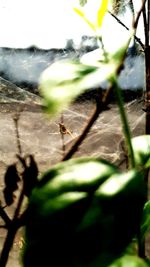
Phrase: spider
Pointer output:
(64, 130)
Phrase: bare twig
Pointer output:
(148, 20)
(12, 230)
(5, 217)
(16, 118)
(100, 106)
(62, 133)
(136, 21)
(121, 23)
(145, 26)
(13, 225)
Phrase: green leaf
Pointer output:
(83, 175)
(101, 12)
(63, 81)
(145, 224)
(120, 183)
(141, 147)
(74, 221)
(129, 261)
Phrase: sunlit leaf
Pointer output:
(129, 261)
(74, 220)
(141, 147)
(119, 182)
(83, 174)
(63, 81)
(101, 12)
(145, 224)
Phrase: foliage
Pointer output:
(83, 211)
(130, 261)
(85, 207)
(145, 223)
(141, 145)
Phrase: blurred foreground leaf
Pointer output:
(141, 147)
(101, 12)
(83, 212)
(145, 224)
(129, 261)
(64, 80)
(98, 17)
(82, 15)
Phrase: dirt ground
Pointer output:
(41, 137)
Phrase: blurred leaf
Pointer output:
(145, 224)
(82, 15)
(119, 183)
(83, 2)
(147, 261)
(141, 147)
(64, 80)
(129, 261)
(101, 12)
(75, 221)
(83, 174)
(97, 17)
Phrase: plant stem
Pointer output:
(124, 121)
(146, 20)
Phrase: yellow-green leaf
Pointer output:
(130, 261)
(141, 147)
(101, 12)
(82, 15)
(79, 12)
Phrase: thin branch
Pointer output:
(136, 21)
(5, 217)
(13, 226)
(12, 230)
(100, 106)
(121, 23)
(16, 118)
(62, 134)
(148, 21)
(145, 26)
